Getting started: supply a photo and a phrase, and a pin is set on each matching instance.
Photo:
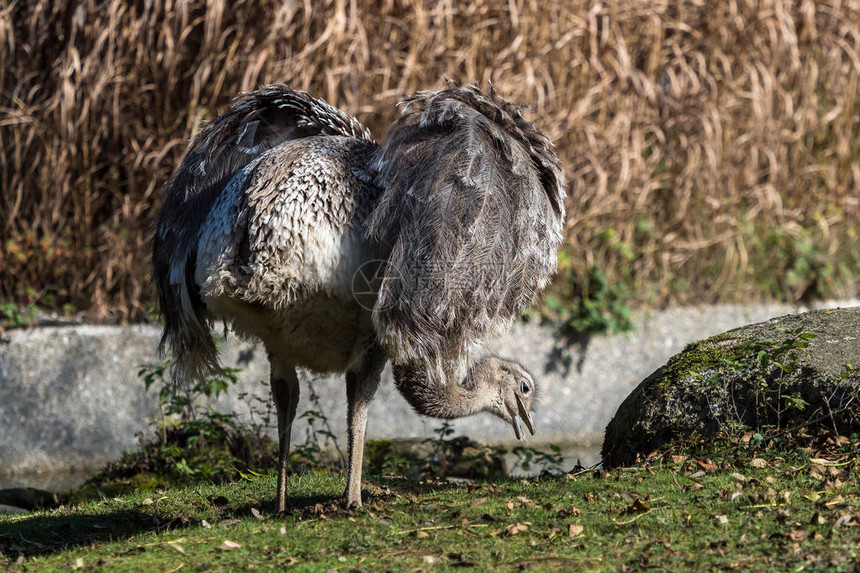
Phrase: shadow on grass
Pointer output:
(52, 531)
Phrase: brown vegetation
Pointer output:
(712, 149)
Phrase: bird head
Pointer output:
(510, 389)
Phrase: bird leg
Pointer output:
(285, 391)
(361, 385)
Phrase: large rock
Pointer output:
(795, 370)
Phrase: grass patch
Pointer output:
(774, 514)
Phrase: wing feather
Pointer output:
(472, 209)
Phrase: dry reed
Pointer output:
(718, 143)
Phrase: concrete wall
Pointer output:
(71, 397)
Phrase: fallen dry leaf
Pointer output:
(574, 530)
(229, 545)
(638, 506)
(256, 513)
(797, 534)
(516, 528)
(478, 501)
(708, 465)
(177, 547)
(758, 463)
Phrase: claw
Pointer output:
(524, 414)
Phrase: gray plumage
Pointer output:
(472, 208)
(282, 201)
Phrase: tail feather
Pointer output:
(255, 123)
(472, 209)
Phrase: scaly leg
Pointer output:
(285, 391)
(361, 385)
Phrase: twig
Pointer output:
(585, 470)
(809, 423)
(431, 528)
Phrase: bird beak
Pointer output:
(515, 422)
(524, 414)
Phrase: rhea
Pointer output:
(288, 222)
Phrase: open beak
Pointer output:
(524, 414)
(515, 422)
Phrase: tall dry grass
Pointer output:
(713, 149)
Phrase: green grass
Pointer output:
(787, 515)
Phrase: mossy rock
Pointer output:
(789, 373)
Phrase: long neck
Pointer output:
(430, 396)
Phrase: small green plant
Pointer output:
(589, 305)
(16, 315)
(195, 441)
(775, 360)
(530, 459)
(448, 448)
(589, 302)
(183, 400)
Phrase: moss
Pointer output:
(711, 353)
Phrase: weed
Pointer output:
(589, 305)
(183, 400)
(17, 315)
(195, 441)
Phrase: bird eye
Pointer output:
(525, 387)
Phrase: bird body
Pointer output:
(278, 252)
(283, 201)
